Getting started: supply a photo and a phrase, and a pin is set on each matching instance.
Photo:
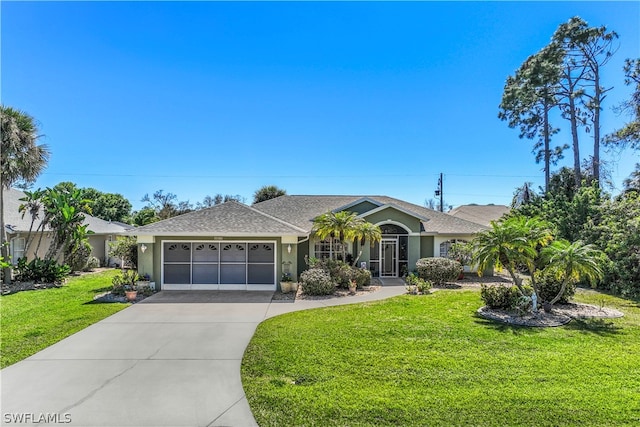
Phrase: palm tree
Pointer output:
(573, 262)
(33, 206)
(22, 159)
(367, 231)
(344, 225)
(267, 192)
(511, 242)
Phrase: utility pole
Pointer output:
(439, 192)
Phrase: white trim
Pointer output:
(389, 221)
(197, 286)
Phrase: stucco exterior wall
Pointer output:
(426, 246)
(392, 216)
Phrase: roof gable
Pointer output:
(480, 214)
(301, 210)
(229, 218)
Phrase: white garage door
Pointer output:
(218, 265)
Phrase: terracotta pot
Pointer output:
(131, 295)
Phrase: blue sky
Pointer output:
(318, 98)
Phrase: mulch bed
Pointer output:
(14, 287)
(560, 314)
(339, 293)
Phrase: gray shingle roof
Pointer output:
(14, 218)
(480, 214)
(230, 218)
(300, 211)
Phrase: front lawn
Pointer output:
(33, 320)
(429, 361)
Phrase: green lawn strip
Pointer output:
(33, 320)
(429, 360)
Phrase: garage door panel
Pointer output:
(205, 252)
(205, 273)
(261, 252)
(177, 273)
(233, 274)
(261, 274)
(177, 252)
(219, 265)
(233, 252)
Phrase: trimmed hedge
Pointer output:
(438, 270)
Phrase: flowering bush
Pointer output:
(438, 270)
(317, 281)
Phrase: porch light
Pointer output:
(143, 247)
(289, 248)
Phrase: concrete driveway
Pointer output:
(170, 360)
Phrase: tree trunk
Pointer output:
(4, 250)
(516, 280)
(596, 126)
(547, 155)
(574, 130)
(562, 288)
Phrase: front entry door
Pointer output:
(389, 258)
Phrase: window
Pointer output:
(17, 249)
(326, 248)
(445, 246)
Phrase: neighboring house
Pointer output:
(480, 214)
(18, 226)
(235, 246)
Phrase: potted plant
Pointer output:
(126, 281)
(285, 283)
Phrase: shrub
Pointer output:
(416, 284)
(549, 286)
(342, 273)
(79, 258)
(362, 276)
(92, 263)
(317, 281)
(124, 281)
(438, 270)
(500, 296)
(41, 271)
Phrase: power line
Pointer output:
(146, 175)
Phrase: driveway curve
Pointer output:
(170, 360)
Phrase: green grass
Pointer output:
(33, 320)
(430, 361)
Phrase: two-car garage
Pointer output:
(212, 265)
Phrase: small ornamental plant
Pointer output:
(416, 285)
